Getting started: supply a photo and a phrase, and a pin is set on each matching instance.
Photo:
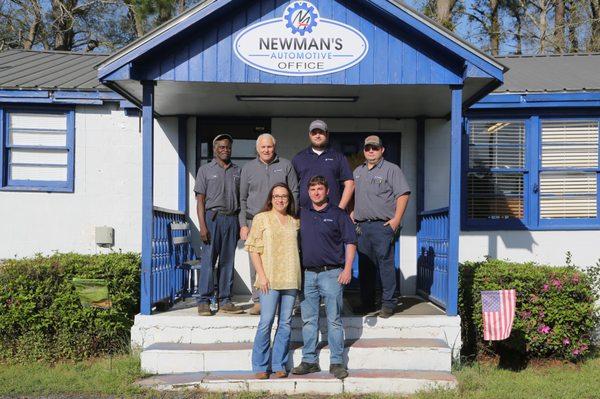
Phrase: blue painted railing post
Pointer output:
(455, 190)
(182, 166)
(147, 194)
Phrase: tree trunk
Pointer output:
(494, 27)
(572, 23)
(180, 6)
(595, 25)
(559, 26)
(443, 12)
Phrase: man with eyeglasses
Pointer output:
(217, 204)
(257, 178)
(320, 159)
(381, 196)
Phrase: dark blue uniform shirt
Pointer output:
(331, 164)
(323, 235)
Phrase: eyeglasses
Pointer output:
(370, 147)
(280, 197)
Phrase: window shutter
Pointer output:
(569, 145)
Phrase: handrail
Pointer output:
(166, 210)
(435, 211)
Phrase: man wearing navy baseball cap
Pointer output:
(319, 159)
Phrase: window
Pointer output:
(534, 173)
(568, 183)
(37, 150)
(496, 170)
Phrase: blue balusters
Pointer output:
(432, 255)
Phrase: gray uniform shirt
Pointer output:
(220, 186)
(256, 181)
(377, 190)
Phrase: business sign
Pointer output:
(301, 43)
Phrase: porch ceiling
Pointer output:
(221, 99)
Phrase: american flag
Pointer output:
(498, 309)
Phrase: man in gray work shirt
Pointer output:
(217, 194)
(257, 178)
(380, 198)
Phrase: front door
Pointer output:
(351, 145)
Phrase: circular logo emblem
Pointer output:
(301, 17)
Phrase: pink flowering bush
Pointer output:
(555, 314)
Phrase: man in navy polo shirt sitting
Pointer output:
(328, 242)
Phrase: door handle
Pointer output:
(536, 188)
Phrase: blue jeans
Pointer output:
(224, 231)
(376, 259)
(262, 358)
(325, 285)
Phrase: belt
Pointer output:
(324, 268)
(223, 213)
(370, 221)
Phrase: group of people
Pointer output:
(304, 251)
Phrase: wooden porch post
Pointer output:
(455, 191)
(147, 194)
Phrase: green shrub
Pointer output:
(41, 317)
(555, 314)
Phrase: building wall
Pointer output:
(107, 189)
(545, 247)
(437, 164)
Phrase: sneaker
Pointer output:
(386, 312)
(230, 307)
(338, 371)
(204, 309)
(255, 309)
(306, 368)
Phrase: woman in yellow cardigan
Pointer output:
(273, 247)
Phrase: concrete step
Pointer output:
(359, 382)
(190, 328)
(375, 354)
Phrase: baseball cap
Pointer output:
(318, 124)
(373, 140)
(221, 137)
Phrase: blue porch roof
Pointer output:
(405, 49)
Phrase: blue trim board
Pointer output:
(8, 184)
(498, 101)
(147, 194)
(455, 190)
(67, 97)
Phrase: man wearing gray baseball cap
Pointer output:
(380, 200)
(319, 159)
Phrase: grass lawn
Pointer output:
(105, 378)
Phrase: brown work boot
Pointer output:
(255, 309)
(229, 307)
(204, 309)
